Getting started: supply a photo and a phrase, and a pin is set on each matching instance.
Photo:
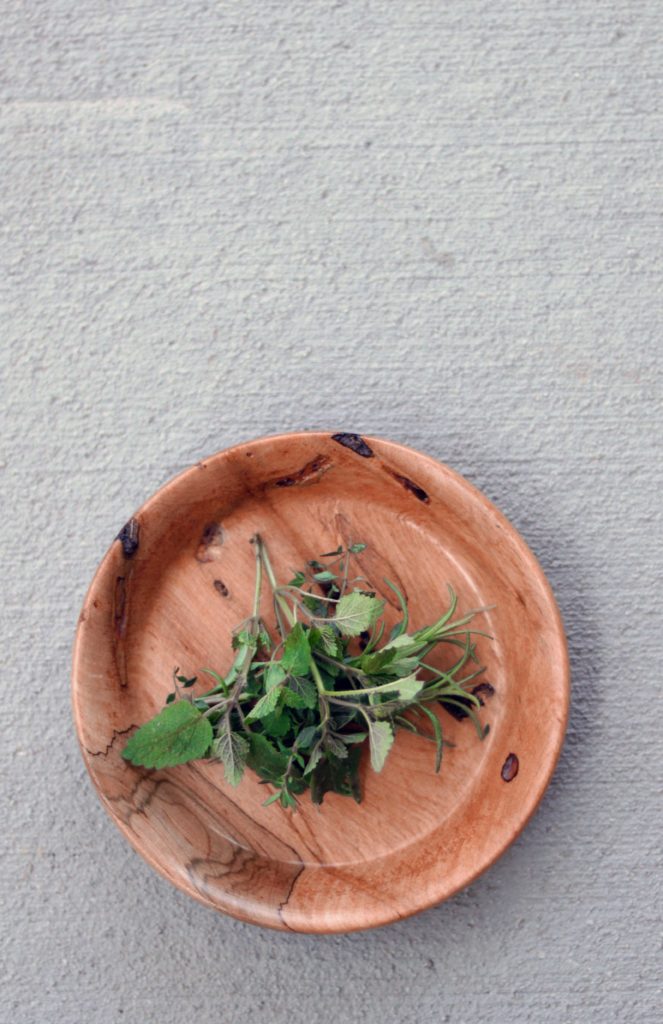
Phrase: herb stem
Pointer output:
(258, 584)
(317, 678)
(280, 603)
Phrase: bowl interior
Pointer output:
(180, 578)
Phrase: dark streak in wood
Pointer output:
(313, 470)
(355, 443)
(284, 903)
(120, 606)
(221, 588)
(409, 485)
(129, 538)
(510, 768)
(109, 746)
(120, 613)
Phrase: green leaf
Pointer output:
(244, 639)
(265, 705)
(296, 651)
(335, 746)
(408, 687)
(354, 737)
(277, 724)
(356, 548)
(306, 737)
(298, 580)
(324, 576)
(337, 776)
(232, 749)
(186, 683)
(301, 693)
(287, 800)
(264, 758)
(376, 662)
(331, 554)
(356, 612)
(329, 640)
(314, 605)
(179, 733)
(316, 754)
(274, 674)
(381, 737)
(264, 640)
(400, 641)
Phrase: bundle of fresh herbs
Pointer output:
(299, 709)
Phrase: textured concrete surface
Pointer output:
(436, 222)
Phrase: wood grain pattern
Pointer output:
(180, 576)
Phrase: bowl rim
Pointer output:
(533, 796)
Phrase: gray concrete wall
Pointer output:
(438, 222)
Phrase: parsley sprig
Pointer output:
(301, 701)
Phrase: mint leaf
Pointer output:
(381, 737)
(357, 612)
(265, 705)
(300, 693)
(296, 651)
(179, 733)
(354, 737)
(232, 749)
(313, 760)
(306, 737)
(324, 576)
(329, 640)
(274, 674)
(335, 746)
(276, 724)
(264, 758)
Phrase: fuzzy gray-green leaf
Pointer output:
(381, 737)
(357, 612)
(232, 749)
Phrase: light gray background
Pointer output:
(434, 221)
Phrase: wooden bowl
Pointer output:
(179, 576)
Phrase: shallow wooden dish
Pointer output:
(180, 576)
